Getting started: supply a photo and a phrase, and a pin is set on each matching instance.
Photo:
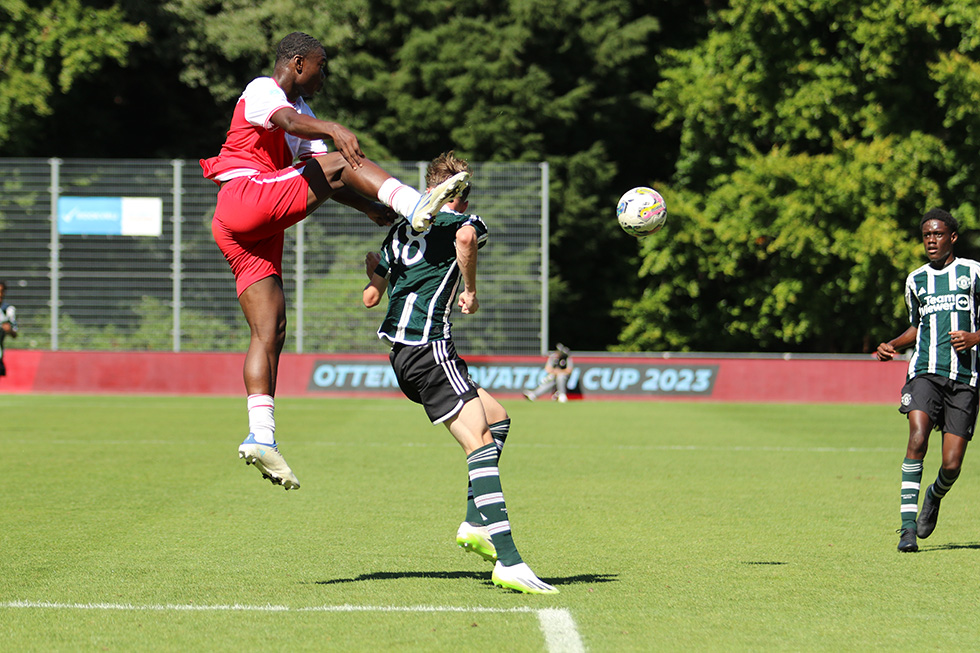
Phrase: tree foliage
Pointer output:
(813, 136)
(45, 48)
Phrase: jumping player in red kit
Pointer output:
(262, 192)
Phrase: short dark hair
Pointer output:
(296, 43)
(942, 216)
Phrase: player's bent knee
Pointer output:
(323, 177)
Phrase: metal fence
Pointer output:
(174, 292)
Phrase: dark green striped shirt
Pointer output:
(423, 278)
(940, 301)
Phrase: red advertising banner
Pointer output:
(594, 377)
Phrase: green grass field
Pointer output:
(129, 524)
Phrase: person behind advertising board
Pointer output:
(557, 369)
(8, 323)
(943, 299)
(422, 273)
(262, 193)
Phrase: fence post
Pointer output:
(55, 265)
(177, 275)
(545, 237)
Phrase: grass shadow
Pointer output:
(456, 575)
(951, 546)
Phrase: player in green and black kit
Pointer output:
(943, 298)
(422, 273)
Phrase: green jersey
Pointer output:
(940, 301)
(423, 277)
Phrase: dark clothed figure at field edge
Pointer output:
(8, 323)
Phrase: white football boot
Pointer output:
(268, 461)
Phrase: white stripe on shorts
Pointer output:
(458, 407)
(441, 354)
(288, 173)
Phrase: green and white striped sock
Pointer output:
(499, 430)
(911, 480)
(489, 499)
(943, 483)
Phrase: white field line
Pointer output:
(560, 633)
(559, 629)
(453, 445)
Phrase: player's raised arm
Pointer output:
(293, 122)
(467, 244)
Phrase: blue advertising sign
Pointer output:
(110, 216)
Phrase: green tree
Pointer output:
(45, 48)
(812, 138)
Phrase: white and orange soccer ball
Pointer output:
(641, 211)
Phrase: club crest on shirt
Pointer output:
(963, 282)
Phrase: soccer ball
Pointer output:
(641, 211)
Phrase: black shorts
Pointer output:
(950, 405)
(435, 376)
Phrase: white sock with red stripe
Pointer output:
(399, 196)
(261, 418)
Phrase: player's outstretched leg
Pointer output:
(547, 387)
(433, 200)
(477, 540)
(268, 461)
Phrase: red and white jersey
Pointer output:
(253, 144)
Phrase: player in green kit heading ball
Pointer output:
(943, 298)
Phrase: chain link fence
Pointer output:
(174, 291)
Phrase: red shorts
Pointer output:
(249, 220)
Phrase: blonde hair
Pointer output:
(443, 167)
